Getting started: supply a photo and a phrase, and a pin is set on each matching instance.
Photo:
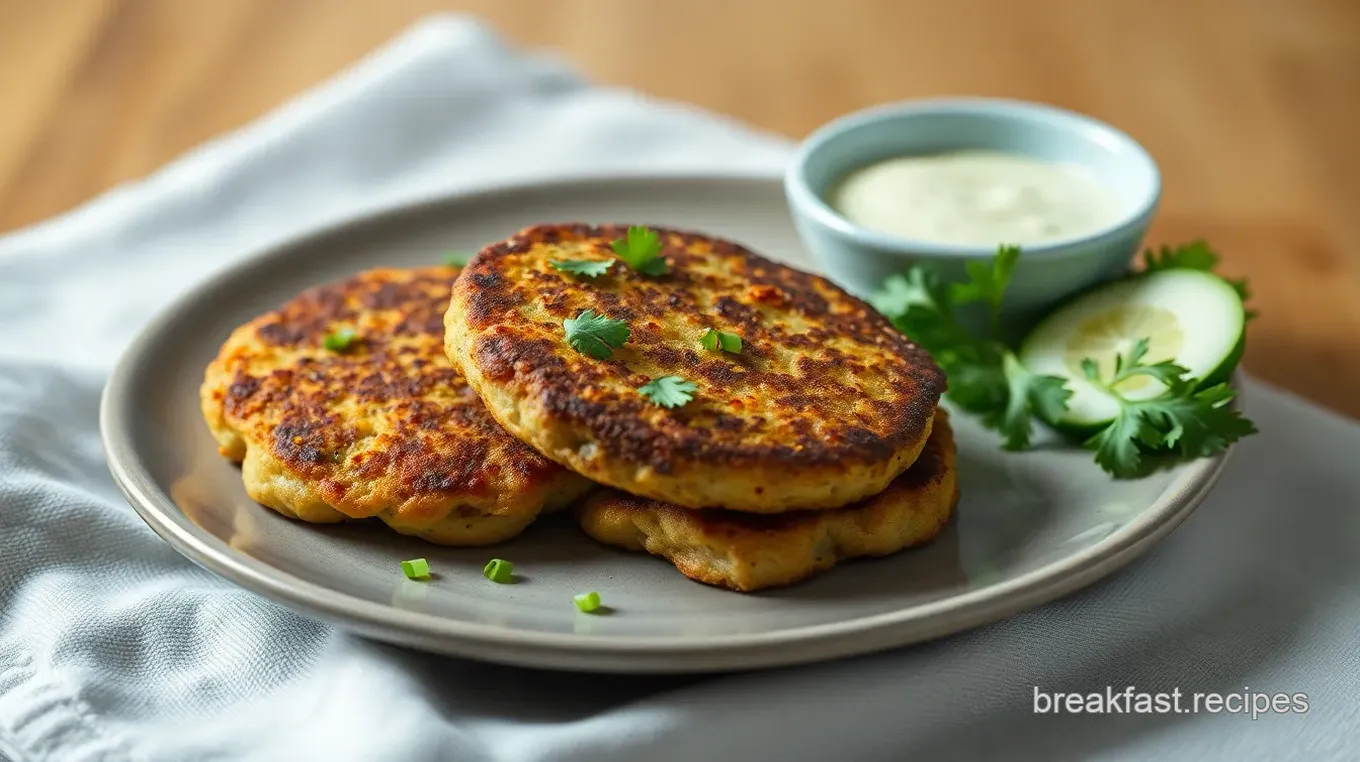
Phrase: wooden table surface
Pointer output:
(1250, 106)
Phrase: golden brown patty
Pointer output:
(825, 404)
(387, 428)
(745, 552)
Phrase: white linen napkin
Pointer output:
(112, 647)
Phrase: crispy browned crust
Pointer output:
(823, 382)
(747, 552)
(388, 428)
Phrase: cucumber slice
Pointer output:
(1192, 317)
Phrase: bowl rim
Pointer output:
(807, 203)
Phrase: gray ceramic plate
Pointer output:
(1029, 528)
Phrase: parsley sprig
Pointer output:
(640, 249)
(1181, 422)
(669, 391)
(590, 268)
(987, 379)
(595, 335)
(985, 376)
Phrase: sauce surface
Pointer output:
(975, 198)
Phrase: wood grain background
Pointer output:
(1252, 107)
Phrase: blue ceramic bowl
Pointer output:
(859, 259)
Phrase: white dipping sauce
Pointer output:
(981, 198)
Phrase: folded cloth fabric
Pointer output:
(112, 647)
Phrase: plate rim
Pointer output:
(613, 653)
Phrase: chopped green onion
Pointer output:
(587, 602)
(498, 570)
(340, 340)
(416, 568)
(713, 340)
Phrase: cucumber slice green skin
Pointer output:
(1224, 371)
(1038, 344)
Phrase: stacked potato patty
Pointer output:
(341, 405)
(749, 422)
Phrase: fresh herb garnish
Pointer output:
(456, 259)
(590, 268)
(985, 376)
(1195, 255)
(987, 283)
(416, 568)
(1029, 395)
(669, 391)
(640, 249)
(1181, 421)
(498, 570)
(587, 602)
(714, 340)
(339, 341)
(595, 335)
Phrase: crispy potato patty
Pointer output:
(825, 404)
(745, 552)
(385, 427)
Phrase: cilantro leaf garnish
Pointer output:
(901, 292)
(590, 268)
(640, 249)
(985, 376)
(714, 340)
(1028, 395)
(595, 335)
(1183, 421)
(669, 391)
(987, 282)
(1195, 255)
(1128, 366)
